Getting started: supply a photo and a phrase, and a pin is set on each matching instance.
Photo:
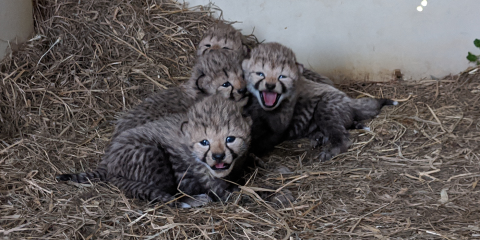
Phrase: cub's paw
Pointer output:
(325, 156)
(284, 198)
(332, 151)
(179, 205)
(197, 200)
(319, 140)
(258, 161)
(282, 170)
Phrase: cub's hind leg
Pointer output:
(330, 119)
(338, 142)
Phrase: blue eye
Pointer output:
(205, 142)
(260, 74)
(227, 84)
(230, 139)
(282, 76)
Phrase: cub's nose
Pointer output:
(270, 86)
(242, 91)
(218, 156)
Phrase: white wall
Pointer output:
(16, 23)
(364, 40)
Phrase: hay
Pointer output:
(414, 176)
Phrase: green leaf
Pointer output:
(477, 43)
(471, 57)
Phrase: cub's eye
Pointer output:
(282, 76)
(205, 142)
(208, 45)
(226, 48)
(260, 74)
(227, 84)
(230, 139)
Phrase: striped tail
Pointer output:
(386, 102)
(99, 174)
(368, 108)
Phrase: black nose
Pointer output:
(218, 156)
(242, 91)
(270, 86)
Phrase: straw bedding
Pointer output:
(414, 176)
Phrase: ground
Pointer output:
(413, 176)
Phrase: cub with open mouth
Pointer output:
(288, 106)
(272, 74)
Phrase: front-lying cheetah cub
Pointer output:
(217, 72)
(191, 151)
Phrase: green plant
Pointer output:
(472, 57)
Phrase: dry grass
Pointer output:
(414, 176)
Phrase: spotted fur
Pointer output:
(287, 106)
(324, 114)
(316, 77)
(217, 72)
(150, 161)
(221, 36)
(272, 70)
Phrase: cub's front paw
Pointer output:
(331, 152)
(284, 198)
(325, 156)
(196, 200)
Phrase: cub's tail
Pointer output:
(97, 175)
(368, 108)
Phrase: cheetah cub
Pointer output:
(216, 72)
(272, 76)
(222, 36)
(191, 151)
(294, 107)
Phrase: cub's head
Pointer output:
(218, 134)
(271, 74)
(219, 72)
(221, 36)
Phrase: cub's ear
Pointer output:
(183, 127)
(245, 65)
(249, 120)
(300, 68)
(199, 77)
(245, 50)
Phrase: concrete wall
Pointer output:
(364, 40)
(16, 24)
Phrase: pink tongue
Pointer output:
(219, 165)
(269, 98)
